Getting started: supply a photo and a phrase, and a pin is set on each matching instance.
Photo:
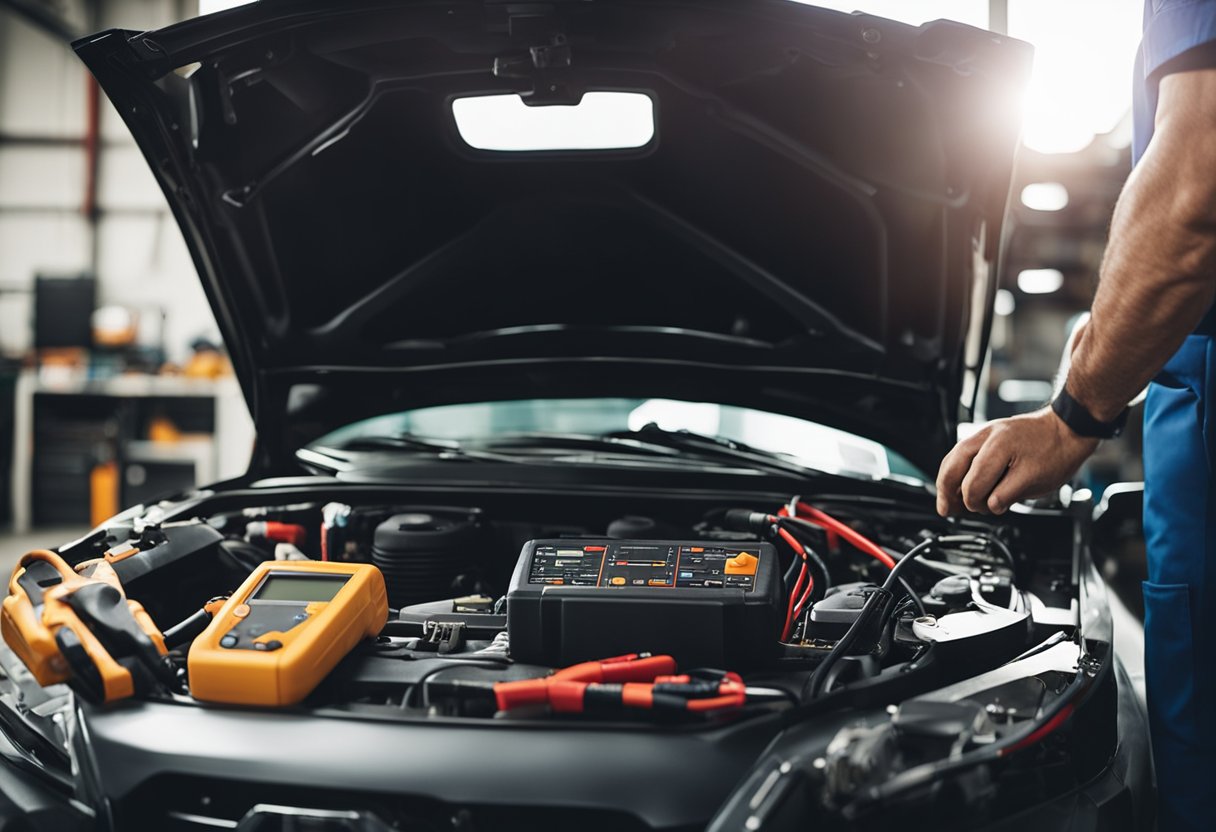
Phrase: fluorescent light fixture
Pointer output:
(601, 121)
(1040, 281)
(209, 6)
(1005, 303)
(1024, 390)
(1045, 196)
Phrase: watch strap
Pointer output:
(1083, 423)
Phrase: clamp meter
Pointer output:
(284, 630)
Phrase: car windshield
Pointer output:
(806, 443)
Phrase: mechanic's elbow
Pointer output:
(1190, 223)
(1195, 253)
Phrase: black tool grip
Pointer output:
(104, 610)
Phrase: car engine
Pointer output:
(719, 622)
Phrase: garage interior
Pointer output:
(115, 389)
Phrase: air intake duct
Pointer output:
(424, 551)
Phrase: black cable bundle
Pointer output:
(869, 624)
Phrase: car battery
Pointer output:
(709, 604)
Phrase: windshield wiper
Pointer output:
(653, 441)
(713, 447)
(580, 442)
(512, 447)
(408, 442)
(650, 442)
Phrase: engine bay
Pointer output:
(721, 619)
(787, 595)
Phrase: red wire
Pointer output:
(792, 610)
(833, 526)
(1042, 731)
(806, 596)
(789, 610)
(826, 521)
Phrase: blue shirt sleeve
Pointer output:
(1171, 28)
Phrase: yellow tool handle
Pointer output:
(37, 628)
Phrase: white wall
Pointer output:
(141, 260)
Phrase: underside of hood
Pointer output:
(811, 230)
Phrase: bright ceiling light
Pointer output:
(1024, 390)
(1081, 84)
(600, 121)
(1040, 281)
(1045, 196)
(1084, 54)
(1005, 303)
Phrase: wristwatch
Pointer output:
(1083, 423)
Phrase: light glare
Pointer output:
(1045, 196)
(210, 6)
(1040, 281)
(1024, 390)
(915, 12)
(1081, 84)
(601, 121)
(1084, 55)
(1005, 303)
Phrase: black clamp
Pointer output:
(441, 637)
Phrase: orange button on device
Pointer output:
(618, 581)
(742, 564)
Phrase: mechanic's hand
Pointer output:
(1009, 460)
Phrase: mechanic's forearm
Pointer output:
(1159, 274)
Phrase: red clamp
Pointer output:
(635, 680)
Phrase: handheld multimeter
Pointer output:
(284, 630)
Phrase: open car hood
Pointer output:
(812, 230)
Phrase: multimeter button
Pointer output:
(229, 641)
(273, 644)
(240, 610)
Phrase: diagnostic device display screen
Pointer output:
(628, 563)
(300, 587)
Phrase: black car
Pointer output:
(653, 403)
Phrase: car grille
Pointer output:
(181, 803)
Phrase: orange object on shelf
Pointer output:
(103, 492)
(162, 429)
(207, 364)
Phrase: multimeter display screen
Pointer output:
(299, 588)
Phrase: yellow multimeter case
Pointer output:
(284, 630)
